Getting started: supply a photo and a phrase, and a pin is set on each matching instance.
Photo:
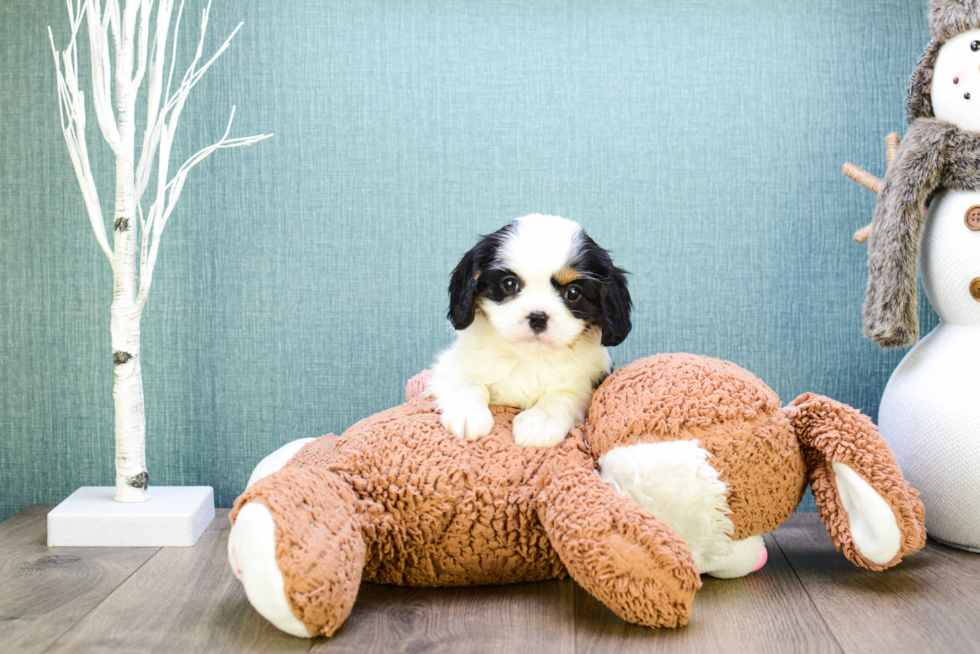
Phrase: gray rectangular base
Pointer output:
(174, 516)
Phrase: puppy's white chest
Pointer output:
(524, 385)
(506, 394)
(521, 381)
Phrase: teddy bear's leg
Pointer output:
(252, 553)
(297, 546)
(275, 461)
(270, 464)
(870, 511)
(624, 556)
(675, 481)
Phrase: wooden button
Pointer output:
(973, 218)
(975, 289)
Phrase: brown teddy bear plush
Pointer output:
(683, 464)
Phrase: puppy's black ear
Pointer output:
(464, 284)
(462, 289)
(616, 306)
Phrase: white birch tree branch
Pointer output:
(145, 9)
(71, 106)
(98, 34)
(163, 206)
(151, 137)
(160, 138)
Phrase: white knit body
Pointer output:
(930, 411)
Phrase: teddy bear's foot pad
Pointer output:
(747, 556)
(252, 554)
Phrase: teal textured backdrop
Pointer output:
(302, 281)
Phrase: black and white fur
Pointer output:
(534, 304)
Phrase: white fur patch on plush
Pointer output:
(873, 525)
(745, 558)
(276, 460)
(252, 554)
(675, 482)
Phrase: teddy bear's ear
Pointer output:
(870, 511)
(417, 385)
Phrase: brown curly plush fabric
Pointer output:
(397, 500)
(432, 510)
(732, 414)
(618, 552)
(318, 544)
(835, 433)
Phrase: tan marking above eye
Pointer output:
(567, 276)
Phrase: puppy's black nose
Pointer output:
(538, 321)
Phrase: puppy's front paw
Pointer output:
(537, 428)
(470, 421)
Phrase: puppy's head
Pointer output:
(541, 279)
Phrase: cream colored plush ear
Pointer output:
(870, 511)
(873, 525)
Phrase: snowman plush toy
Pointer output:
(930, 410)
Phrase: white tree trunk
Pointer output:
(127, 393)
(132, 480)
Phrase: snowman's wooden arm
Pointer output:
(869, 181)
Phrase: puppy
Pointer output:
(534, 304)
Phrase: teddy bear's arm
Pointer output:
(622, 555)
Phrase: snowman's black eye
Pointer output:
(975, 46)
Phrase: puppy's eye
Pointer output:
(975, 46)
(510, 284)
(573, 293)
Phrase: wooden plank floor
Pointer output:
(808, 598)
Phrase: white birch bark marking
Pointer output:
(130, 34)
